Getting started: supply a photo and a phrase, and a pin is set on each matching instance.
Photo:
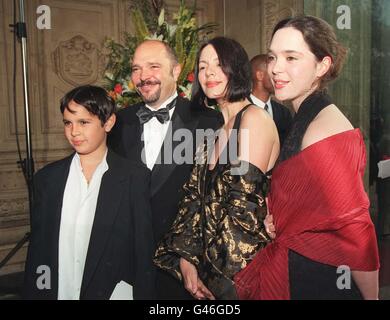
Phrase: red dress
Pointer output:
(320, 211)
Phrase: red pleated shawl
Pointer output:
(320, 211)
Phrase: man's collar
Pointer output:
(257, 101)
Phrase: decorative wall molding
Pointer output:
(77, 61)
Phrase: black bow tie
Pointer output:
(145, 114)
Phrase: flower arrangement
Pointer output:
(150, 21)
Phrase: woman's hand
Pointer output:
(269, 226)
(192, 283)
(269, 223)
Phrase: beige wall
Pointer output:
(251, 21)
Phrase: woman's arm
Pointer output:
(368, 283)
(192, 283)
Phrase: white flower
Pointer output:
(155, 36)
(186, 90)
(171, 29)
(109, 75)
(161, 17)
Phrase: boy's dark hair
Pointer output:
(95, 99)
(235, 65)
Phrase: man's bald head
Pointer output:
(260, 78)
(160, 45)
(155, 71)
(259, 62)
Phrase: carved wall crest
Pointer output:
(76, 61)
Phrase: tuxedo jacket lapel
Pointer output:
(134, 130)
(109, 199)
(181, 119)
(53, 219)
(162, 171)
(125, 138)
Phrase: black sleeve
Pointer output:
(115, 137)
(285, 123)
(288, 117)
(144, 243)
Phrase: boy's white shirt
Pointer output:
(122, 291)
(77, 216)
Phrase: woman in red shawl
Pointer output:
(320, 220)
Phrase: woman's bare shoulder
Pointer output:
(257, 117)
(329, 122)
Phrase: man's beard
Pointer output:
(154, 97)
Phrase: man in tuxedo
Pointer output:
(262, 90)
(144, 132)
(91, 218)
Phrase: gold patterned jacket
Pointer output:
(219, 227)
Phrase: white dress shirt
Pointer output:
(77, 216)
(262, 104)
(155, 132)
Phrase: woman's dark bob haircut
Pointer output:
(235, 65)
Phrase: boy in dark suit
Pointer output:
(91, 228)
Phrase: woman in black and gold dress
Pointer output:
(219, 227)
